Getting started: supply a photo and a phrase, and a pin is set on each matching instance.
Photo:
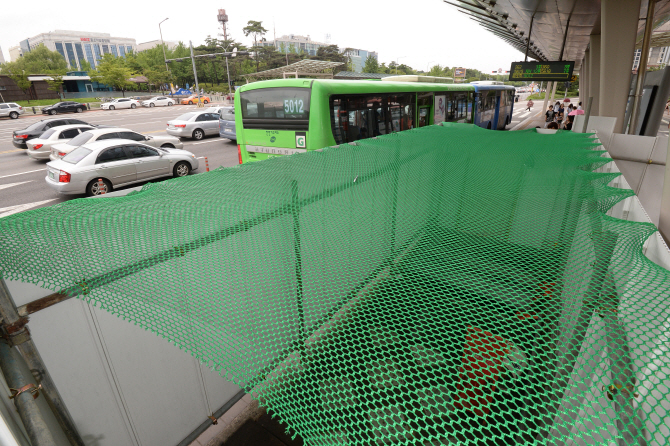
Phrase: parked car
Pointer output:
(216, 109)
(35, 130)
(193, 99)
(120, 103)
(194, 125)
(158, 101)
(40, 148)
(167, 142)
(100, 167)
(10, 109)
(227, 123)
(64, 107)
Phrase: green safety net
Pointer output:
(443, 285)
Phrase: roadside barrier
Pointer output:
(206, 162)
(101, 187)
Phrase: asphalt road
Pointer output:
(22, 183)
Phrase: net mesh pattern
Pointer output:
(443, 285)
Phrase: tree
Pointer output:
(436, 70)
(256, 29)
(157, 77)
(85, 66)
(17, 72)
(371, 65)
(39, 60)
(114, 72)
(330, 53)
(56, 84)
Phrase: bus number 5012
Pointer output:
(293, 106)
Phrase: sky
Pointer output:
(420, 33)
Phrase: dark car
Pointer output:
(227, 123)
(64, 107)
(19, 137)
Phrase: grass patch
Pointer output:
(557, 97)
(45, 102)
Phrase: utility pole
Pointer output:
(195, 73)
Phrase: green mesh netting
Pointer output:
(442, 285)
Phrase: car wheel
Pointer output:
(190, 102)
(151, 105)
(167, 146)
(206, 101)
(133, 106)
(14, 115)
(198, 134)
(170, 104)
(111, 107)
(52, 112)
(95, 188)
(181, 169)
(79, 109)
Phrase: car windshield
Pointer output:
(80, 139)
(48, 133)
(186, 117)
(76, 155)
(58, 103)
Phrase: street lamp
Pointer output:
(163, 44)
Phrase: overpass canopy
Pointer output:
(510, 20)
(305, 67)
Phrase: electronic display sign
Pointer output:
(542, 71)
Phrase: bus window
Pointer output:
(359, 117)
(276, 108)
(425, 102)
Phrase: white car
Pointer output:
(158, 101)
(120, 103)
(11, 109)
(40, 148)
(101, 166)
(164, 141)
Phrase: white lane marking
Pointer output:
(21, 207)
(524, 115)
(21, 173)
(5, 186)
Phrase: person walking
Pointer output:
(529, 105)
(580, 106)
(559, 118)
(549, 116)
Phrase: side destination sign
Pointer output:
(542, 71)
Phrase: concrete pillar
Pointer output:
(664, 219)
(553, 92)
(546, 96)
(619, 20)
(584, 79)
(594, 75)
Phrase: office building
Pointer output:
(358, 58)
(295, 43)
(76, 46)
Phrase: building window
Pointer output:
(96, 48)
(70, 55)
(105, 49)
(129, 49)
(113, 48)
(80, 53)
(89, 54)
(122, 51)
(59, 48)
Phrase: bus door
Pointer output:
(425, 104)
(504, 110)
(494, 124)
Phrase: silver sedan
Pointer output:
(194, 125)
(99, 167)
(167, 142)
(40, 148)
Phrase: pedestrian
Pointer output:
(549, 116)
(557, 105)
(568, 123)
(580, 106)
(559, 118)
(552, 126)
(529, 105)
(570, 108)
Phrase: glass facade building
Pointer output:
(89, 54)
(113, 48)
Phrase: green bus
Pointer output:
(287, 116)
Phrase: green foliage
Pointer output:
(113, 71)
(330, 53)
(85, 66)
(371, 65)
(40, 60)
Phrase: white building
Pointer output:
(76, 46)
(295, 43)
(2, 56)
(153, 43)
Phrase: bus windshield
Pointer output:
(276, 103)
